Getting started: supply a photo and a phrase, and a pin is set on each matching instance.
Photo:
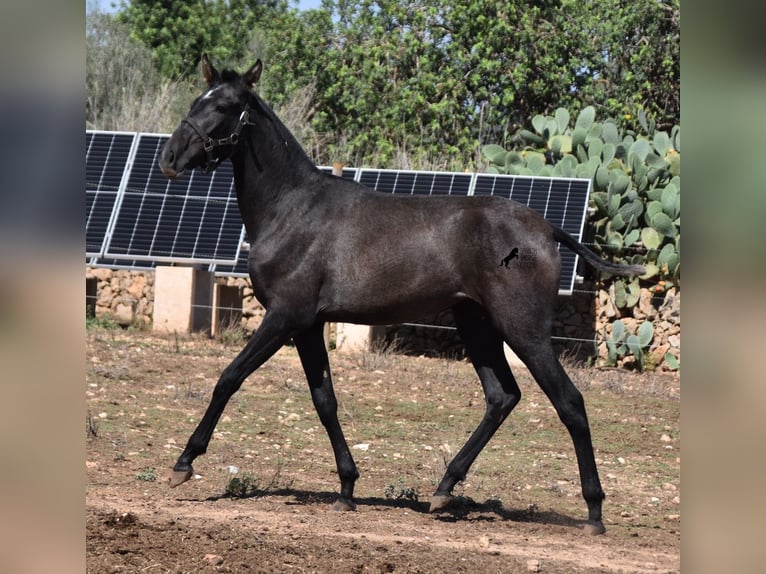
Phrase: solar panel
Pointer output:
(238, 270)
(416, 182)
(192, 219)
(106, 157)
(562, 201)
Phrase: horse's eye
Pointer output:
(221, 109)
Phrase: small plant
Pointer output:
(243, 486)
(639, 344)
(615, 345)
(378, 356)
(398, 492)
(190, 391)
(621, 343)
(104, 321)
(231, 334)
(91, 426)
(148, 474)
(138, 325)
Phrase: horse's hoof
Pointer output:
(594, 528)
(440, 502)
(344, 505)
(179, 477)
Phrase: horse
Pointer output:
(326, 249)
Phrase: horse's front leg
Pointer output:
(270, 336)
(311, 349)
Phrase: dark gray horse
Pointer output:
(326, 249)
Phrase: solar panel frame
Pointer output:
(132, 265)
(238, 270)
(190, 220)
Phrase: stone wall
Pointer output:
(127, 296)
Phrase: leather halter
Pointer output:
(210, 143)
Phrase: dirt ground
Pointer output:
(261, 498)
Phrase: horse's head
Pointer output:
(211, 129)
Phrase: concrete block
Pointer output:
(350, 337)
(183, 299)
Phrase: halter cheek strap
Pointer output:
(210, 144)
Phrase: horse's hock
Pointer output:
(139, 298)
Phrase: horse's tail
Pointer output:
(608, 267)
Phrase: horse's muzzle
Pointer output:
(167, 163)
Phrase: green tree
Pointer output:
(400, 82)
(401, 78)
(179, 31)
(629, 53)
(439, 79)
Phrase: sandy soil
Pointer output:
(519, 509)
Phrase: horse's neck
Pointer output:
(269, 166)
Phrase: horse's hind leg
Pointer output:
(484, 346)
(311, 349)
(539, 357)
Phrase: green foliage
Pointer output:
(103, 321)
(178, 31)
(621, 343)
(147, 474)
(436, 79)
(411, 84)
(671, 362)
(636, 192)
(244, 486)
(641, 72)
(398, 491)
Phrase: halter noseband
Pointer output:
(210, 144)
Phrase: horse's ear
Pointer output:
(212, 77)
(253, 74)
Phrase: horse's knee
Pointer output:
(500, 405)
(571, 411)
